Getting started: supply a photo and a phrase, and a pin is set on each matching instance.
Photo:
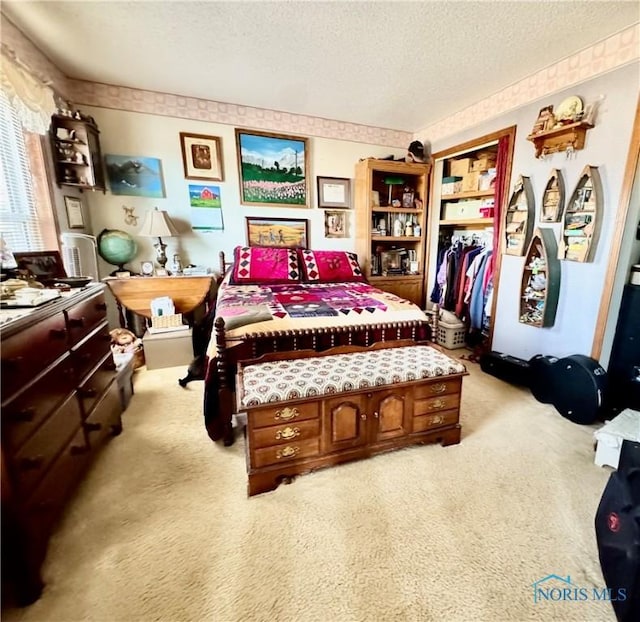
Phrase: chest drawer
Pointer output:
(436, 420)
(26, 354)
(22, 415)
(438, 387)
(83, 317)
(430, 405)
(280, 454)
(90, 391)
(91, 351)
(32, 461)
(277, 435)
(104, 421)
(47, 501)
(277, 414)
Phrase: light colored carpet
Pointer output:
(162, 530)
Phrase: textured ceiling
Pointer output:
(400, 65)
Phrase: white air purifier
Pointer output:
(80, 254)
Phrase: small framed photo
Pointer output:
(334, 192)
(335, 224)
(146, 268)
(202, 156)
(407, 199)
(75, 218)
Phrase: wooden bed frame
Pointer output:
(219, 395)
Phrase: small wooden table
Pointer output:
(136, 293)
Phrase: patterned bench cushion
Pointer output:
(280, 381)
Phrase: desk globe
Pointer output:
(116, 247)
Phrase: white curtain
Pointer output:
(32, 100)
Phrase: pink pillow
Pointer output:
(329, 266)
(258, 264)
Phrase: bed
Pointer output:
(285, 300)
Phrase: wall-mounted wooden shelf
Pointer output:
(519, 216)
(563, 138)
(553, 198)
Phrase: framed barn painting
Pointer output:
(201, 157)
(273, 169)
(278, 232)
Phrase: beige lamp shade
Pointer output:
(157, 224)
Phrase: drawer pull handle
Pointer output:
(78, 450)
(93, 427)
(24, 416)
(376, 414)
(30, 464)
(287, 452)
(437, 405)
(58, 333)
(363, 416)
(76, 322)
(13, 362)
(436, 419)
(101, 306)
(287, 433)
(287, 413)
(441, 387)
(87, 392)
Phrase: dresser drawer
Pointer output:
(438, 387)
(104, 420)
(22, 415)
(435, 404)
(47, 501)
(90, 391)
(290, 432)
(436, 420)
(274, 415)
(83, 317)
(91, 351)
(26, 354)
(280, 454)
(32, 461)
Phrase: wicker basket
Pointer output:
(166, 321)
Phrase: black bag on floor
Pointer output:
(617, 527)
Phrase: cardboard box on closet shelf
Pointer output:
(487, 180)
(484, 162)
(470, 182)
(451, 185)
(459, 167)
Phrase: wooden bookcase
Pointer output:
(392, 224)
(77, 158)
(553, 198)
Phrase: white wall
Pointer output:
(138, 134)
(581, 288)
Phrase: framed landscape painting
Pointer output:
(279, 232)
(273, 169)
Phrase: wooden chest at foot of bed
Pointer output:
(314, 411)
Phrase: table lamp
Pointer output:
(157, 224)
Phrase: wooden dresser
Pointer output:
(60, 402)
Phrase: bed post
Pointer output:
(225, 392)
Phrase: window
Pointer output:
(26, 215)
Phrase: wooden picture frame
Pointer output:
(202, 156)
(75, 216)
(273, 169)
(46, 266)
(335, 224)
(334, 192)
(277, 232)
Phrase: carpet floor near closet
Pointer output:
(162, 530)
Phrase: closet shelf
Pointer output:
(469, 222)
(471, 194)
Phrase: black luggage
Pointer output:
(617, 526)
(505, 367)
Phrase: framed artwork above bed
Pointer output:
(278, 232)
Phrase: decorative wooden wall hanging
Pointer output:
(553, 198)
(519, 216)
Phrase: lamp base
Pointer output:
(161, 256)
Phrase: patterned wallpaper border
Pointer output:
(617, 50)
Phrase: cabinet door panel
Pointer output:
(392, 410)
(346, 422)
